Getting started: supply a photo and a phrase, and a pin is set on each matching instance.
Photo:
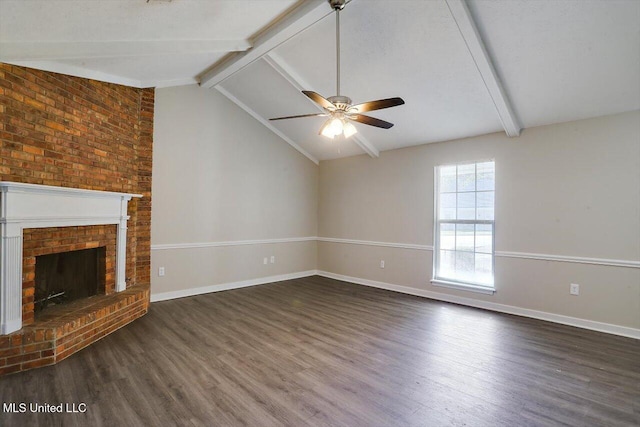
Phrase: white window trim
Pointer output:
(464, 286)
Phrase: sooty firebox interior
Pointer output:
(68, 276)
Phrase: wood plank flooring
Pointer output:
(317, 351)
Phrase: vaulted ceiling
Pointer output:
(463, 68)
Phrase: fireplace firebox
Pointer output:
(68, 276)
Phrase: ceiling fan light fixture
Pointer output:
(336, 126)
(326, 132)
(332, 128)
(349, 130)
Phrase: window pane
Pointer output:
(466, 206)
(447, 267)
(447, 236)
(483, 269)
(467, 177)
(464, 237)
(465, 269)
(447, 213)
(448, 206)
(447, 179)
(484, 238)
(485, 205)
(486, 176)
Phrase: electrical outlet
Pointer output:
(273, 259)
(161, 271)
(381, 263)
(265, 261)
(574, 289)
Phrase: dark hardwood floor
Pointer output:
(317, 351)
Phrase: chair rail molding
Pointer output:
(168, 246)
(501, 254)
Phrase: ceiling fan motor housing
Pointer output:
(337, 4)
(341, 102)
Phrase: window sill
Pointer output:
(463, 286)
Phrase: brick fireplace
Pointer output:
(38, 220)
(76, 139)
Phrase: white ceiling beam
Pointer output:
(266, 123)
(467, 27)
(43, 50)
(299, 19)
(170, 83)
(291, 76)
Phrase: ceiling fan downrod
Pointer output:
(337, 5)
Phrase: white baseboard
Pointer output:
(163, 296)
(502, 308)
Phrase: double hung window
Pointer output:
(464, 225)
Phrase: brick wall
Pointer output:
(143, 219)
(74, 132)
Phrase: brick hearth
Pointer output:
(64, 330)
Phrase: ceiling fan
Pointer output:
(339, 108)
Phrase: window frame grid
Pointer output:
(453, 283)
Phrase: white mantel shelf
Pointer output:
(41, 206)
(50, 189)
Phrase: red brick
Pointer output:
(9, 369)
(36, 347)
(5, 342)
(23, 358)
(33, 103)
(37, 363)
(16, 340)
(10, 352)
(33, 150)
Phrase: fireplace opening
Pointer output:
(68, 276)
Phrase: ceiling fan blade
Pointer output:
(301, 115)
(319, 99)
(371, 121)
(376, 105)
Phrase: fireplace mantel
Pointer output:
(40, 206)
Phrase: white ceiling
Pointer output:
(554, 61)
(564, 60)
(169, 42)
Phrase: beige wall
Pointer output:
(220, 176)
(571, 189)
